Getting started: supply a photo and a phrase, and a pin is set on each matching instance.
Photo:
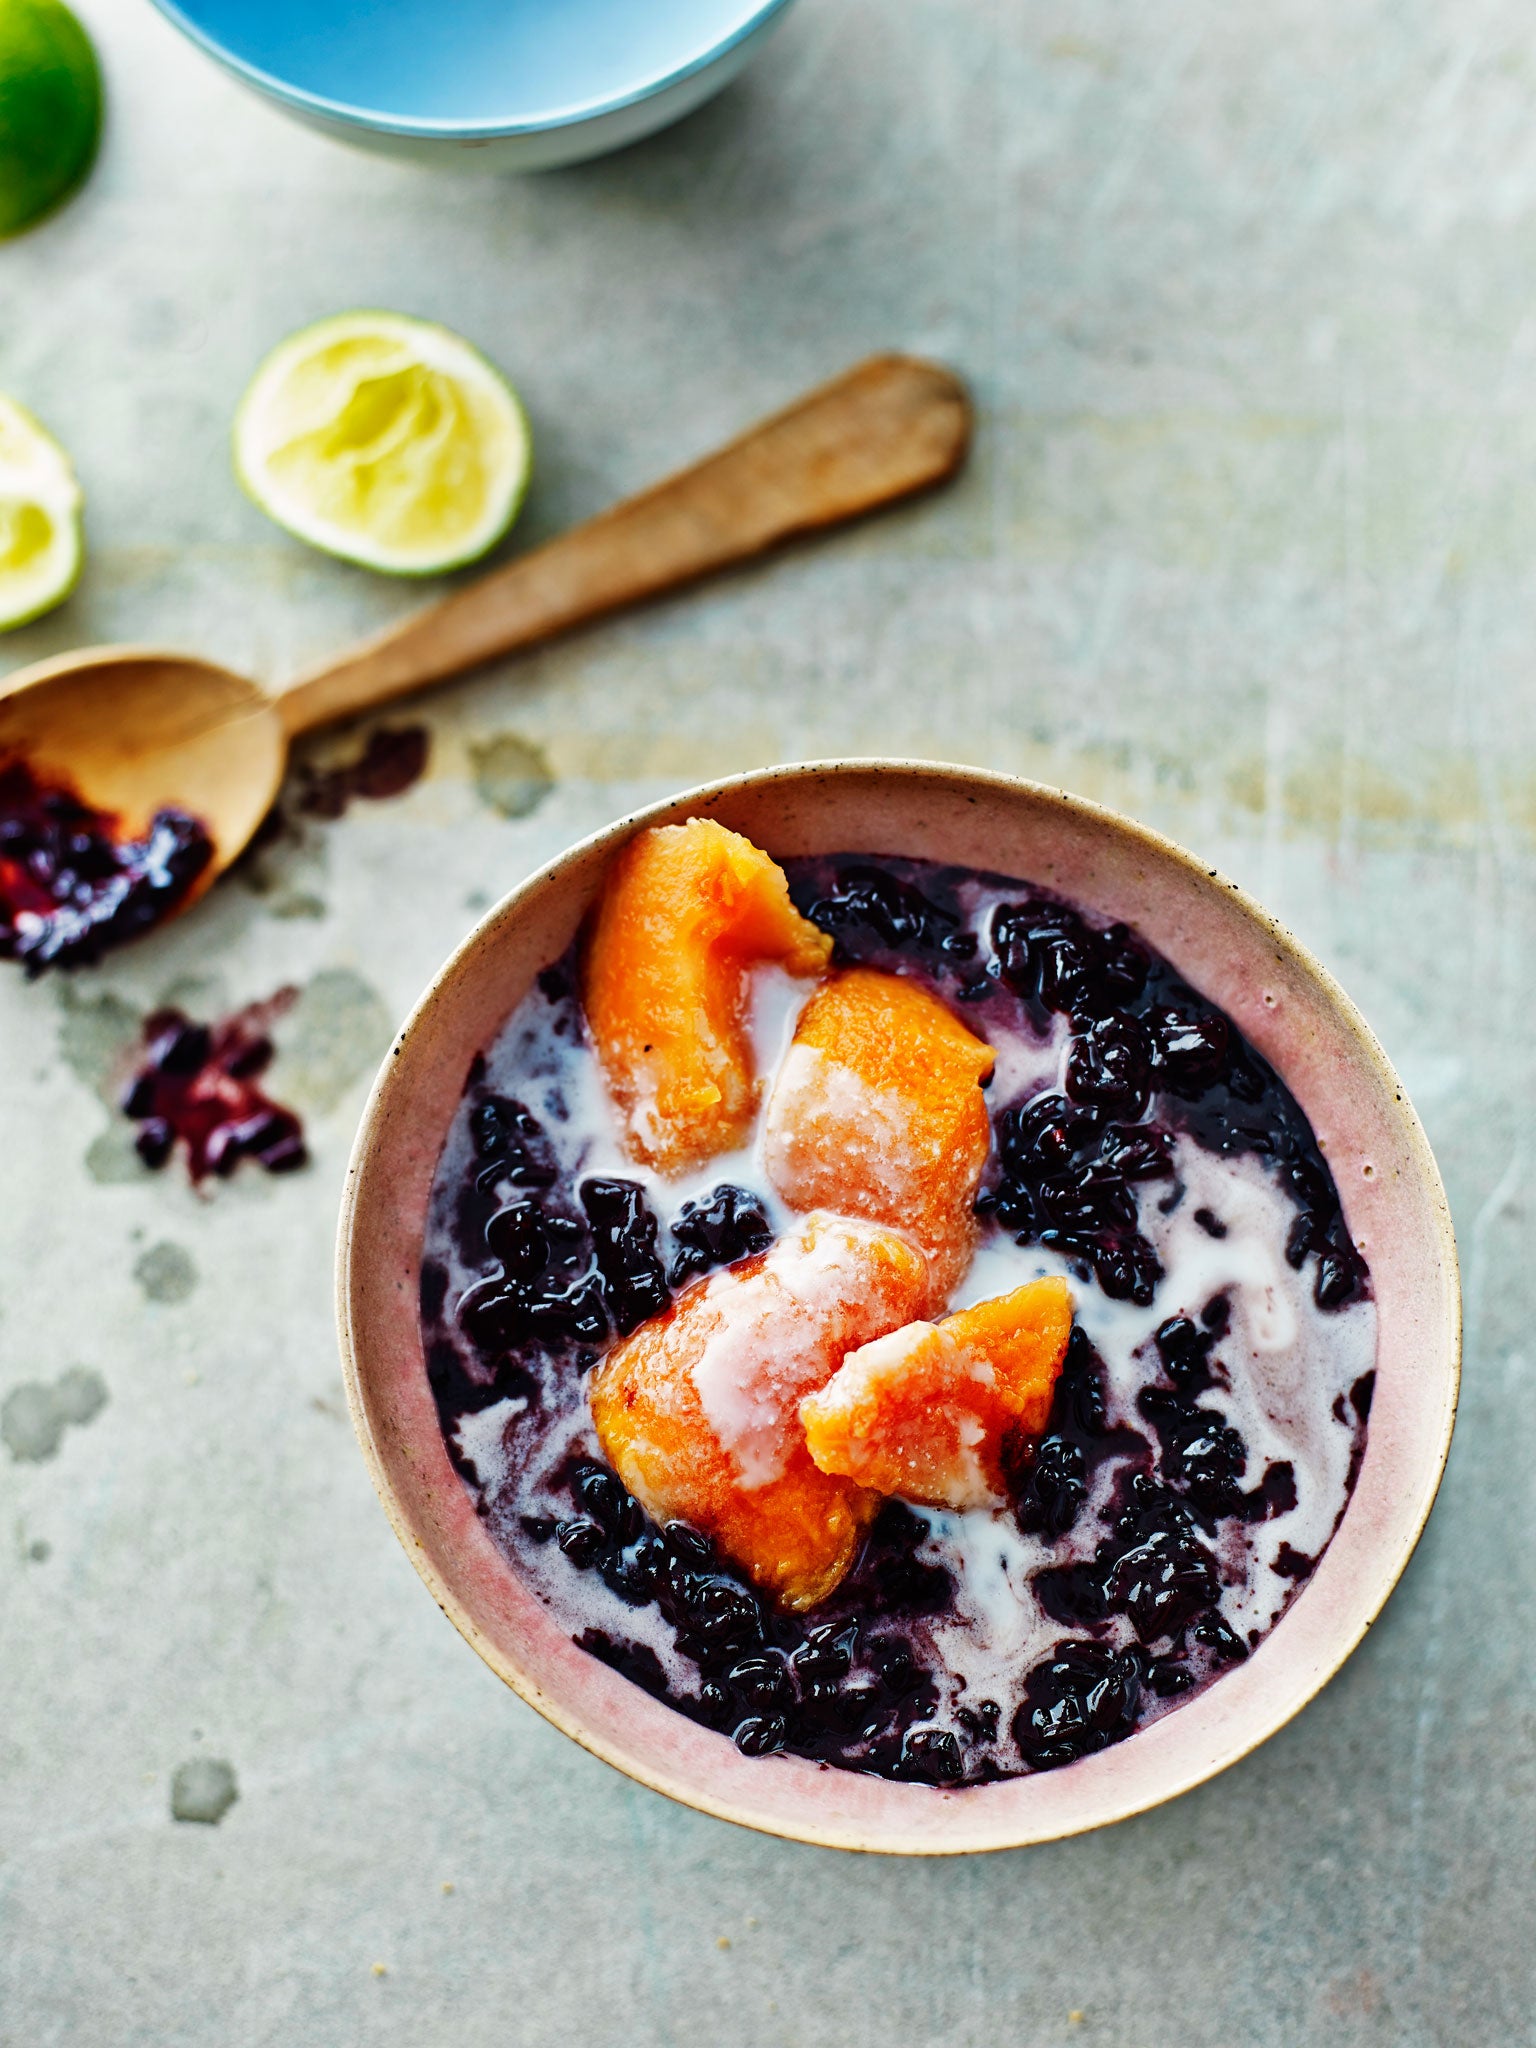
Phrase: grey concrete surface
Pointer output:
(1248, 297)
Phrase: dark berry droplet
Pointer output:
(511, 1142)
(1167, 1678)
(569, 1315)
(761, 1735)
(871, 911)
(285, 1153)
(517, 1236)
(180, 1048)
(1187, 1046)
(729, 1224)
(1054, 1489)
(582, 1539)
(493, 1314)
(1184, 1349)
(249, 1060)
(932, 1755)
(154, 1141)
(1217, 1635)
(1274, 1495)
(1202, 1454)
(1217, 1316)
(980, 1719)
(638, 1662)
(603, 1496)
(1163, 1583)
(720, 1613)
(635, 1571)
(760, 1682)
(826, 1655)
(897, 1667)
(624, 1240)
(138, 1098)
(1291, 1563)
(1110, 1065)
(1079, 1700)
(689, 1545)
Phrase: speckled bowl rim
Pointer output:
(1230, 948)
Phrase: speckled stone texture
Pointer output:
(1246, 298)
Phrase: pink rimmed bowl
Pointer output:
(1228, 948)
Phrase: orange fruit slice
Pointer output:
(698, 1410)
(877, 1111)
(686, 911)
(927, 1411)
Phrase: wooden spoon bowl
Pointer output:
(137, 729)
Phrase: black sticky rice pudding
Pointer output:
(73, 884)
(1207, 1425)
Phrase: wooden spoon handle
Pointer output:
(886, 428)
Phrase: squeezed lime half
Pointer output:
(386, 440)
(41, 542)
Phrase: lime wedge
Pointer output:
(41, 546)
(50, 109)
(385, 440)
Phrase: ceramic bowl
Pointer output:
(516, 85)
(1229, 949)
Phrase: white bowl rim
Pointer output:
(857, 1832)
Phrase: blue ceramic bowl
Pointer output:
(513, 84)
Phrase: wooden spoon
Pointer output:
(135, 729)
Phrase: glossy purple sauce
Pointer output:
(71, 885)
(197, 1086)
(1147, 1542)
(392, 759)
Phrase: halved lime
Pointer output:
(41, 545)
(386, 440)
(50, 109)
